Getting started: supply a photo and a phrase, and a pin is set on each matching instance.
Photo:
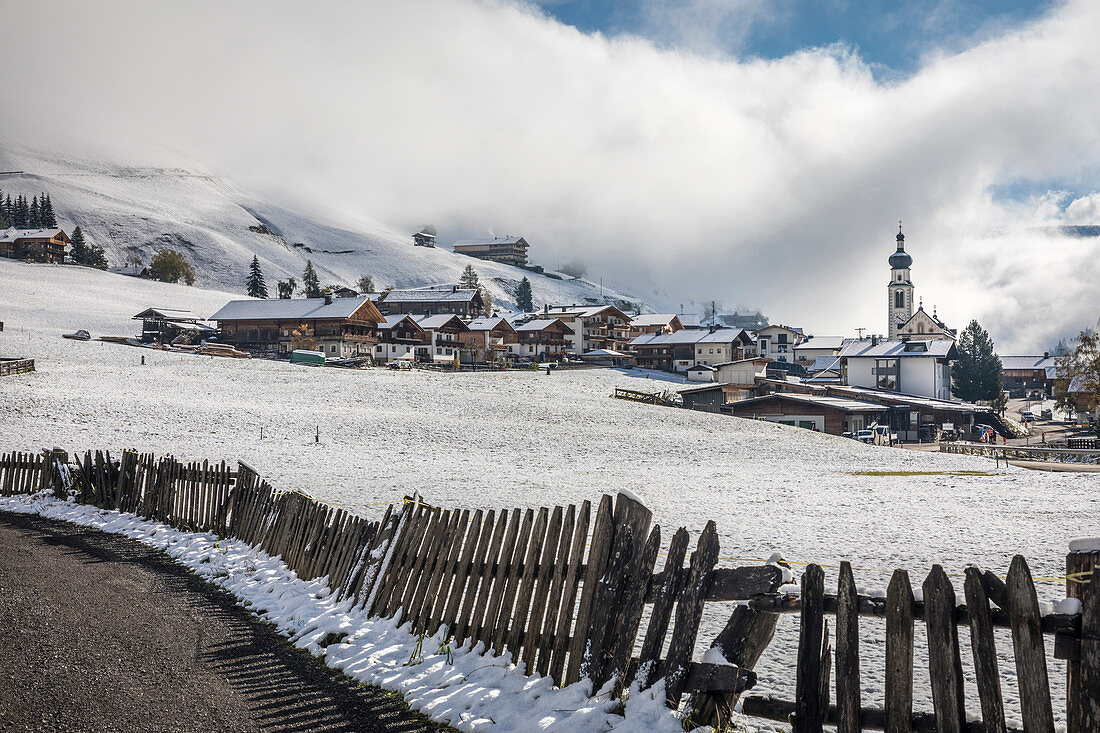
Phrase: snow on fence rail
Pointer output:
(1024, 453)
(521, 581)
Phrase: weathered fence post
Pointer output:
(53, 474)
(1083, 673)
(810, 705)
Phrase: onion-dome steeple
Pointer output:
(900, 260)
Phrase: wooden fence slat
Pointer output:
(389, 592)
(569, 594)
(654, 641)
(985, 653)
(553, 600)
(689, 609)
(809, 707)
(597, 653)
(462, 624)
(1087, 678)
(847, 653)
(598, 551)
(533, 639)
(513, 574)
(462, 569)
(500, 581)
(632, 606)
(480, 628)
(527, 583)
(944, 662)
(1027, 642)
(742, 643)
(425, 568)
(424, 554)
(442, 575)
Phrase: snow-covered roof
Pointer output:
(753, 359)
(168, 314)
(652, 319)
(823, 363)
(439, 320)
(11, 234)
(460, 295)
(702, 368)
(389, 322)
(689, 320)
(1027, 362)
(581, 311)
(495, 240)
(288, 308)
(488, 323)
(688, 336)
(821, 342)
(838, 403)
(908, 399)
(541, 324)
(603, 352)
(894, 349)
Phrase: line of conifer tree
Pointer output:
(22, 214)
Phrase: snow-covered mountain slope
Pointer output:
(137, 208)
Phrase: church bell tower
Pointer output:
(900, 290)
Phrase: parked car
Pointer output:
(1027, 415)
(866, 436)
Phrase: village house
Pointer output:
(655, 323)
(823, 413)
(345, 292)
(542, 338)
(487, 339)
(444, 331)
(1028, 373)
(916, 367)
(167, 325)
(732, 381)
(812, 348)
(34, 245)
(594, 328)
(690, 321)
(676, 352)
(777, 342)
(340, 327)
(401, 337)
(701, 373)
(463, 302)
(506, 250)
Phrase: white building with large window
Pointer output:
(911, 367)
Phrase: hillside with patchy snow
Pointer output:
(158, 200)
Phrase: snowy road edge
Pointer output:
(470, 692)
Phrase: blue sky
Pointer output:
(891, 37)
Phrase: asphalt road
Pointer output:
(100, 633)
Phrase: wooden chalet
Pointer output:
(401, 337)
(823, 413)
(340, 327)
(172, 325)
(655, 323)
(595, 328)
(543, 338)
(676, 352)
(445, 331)
(487, 339)
(463, 302)
(34, 245)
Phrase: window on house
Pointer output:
(886, 374)
(781, 338)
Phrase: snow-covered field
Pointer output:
(525, 439)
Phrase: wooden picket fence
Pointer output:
(21, 473)
(564, 592)
(989, 603)
(9, 367)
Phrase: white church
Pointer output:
(916, 356)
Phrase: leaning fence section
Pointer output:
(564, 590)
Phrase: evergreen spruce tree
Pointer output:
(469, 279)
(78, 249)
(523, 296)
(310, 284)
(286, 288)
(976, 374)
(3, 213)
(257, 288)
(49, 219)
(36, 215)
(97, 258)
(8, 215)
(366, 284)
(21, 212)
